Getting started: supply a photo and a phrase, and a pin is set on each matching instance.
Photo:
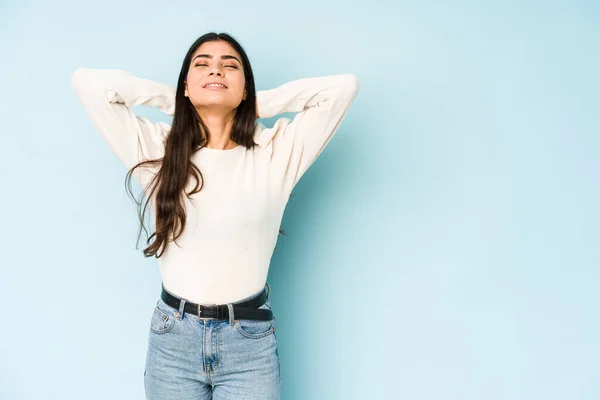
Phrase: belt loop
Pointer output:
(231, 316)
(269, 292)
(181, 308)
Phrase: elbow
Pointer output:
(79, 77)
(350, 84)
(353, 83)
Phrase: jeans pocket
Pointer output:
(163, 318)
(254, 328)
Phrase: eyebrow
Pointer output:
(224, 57)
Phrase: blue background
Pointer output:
(445, 245)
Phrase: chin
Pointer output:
(218, 104)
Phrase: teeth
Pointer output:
(215, 84)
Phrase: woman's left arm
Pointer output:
(322, 103)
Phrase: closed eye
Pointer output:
(206, 65)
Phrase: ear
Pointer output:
(185, 93)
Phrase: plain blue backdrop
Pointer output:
(447, 239)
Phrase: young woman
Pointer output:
(217, 183)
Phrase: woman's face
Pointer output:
(215, 62)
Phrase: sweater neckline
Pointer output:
(216, 151)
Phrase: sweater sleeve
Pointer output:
(108, 96)
(293, 145)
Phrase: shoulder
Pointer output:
(265, 137)
(160, 133)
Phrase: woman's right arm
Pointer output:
(108, 96)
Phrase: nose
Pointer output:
(216, 72)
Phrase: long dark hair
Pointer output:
(188, 134)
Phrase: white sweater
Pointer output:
(232, 226)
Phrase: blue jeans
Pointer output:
(190, 358)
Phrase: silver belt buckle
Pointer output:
(200, 311)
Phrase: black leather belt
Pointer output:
(245, 310)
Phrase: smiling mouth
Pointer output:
(215, 86)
